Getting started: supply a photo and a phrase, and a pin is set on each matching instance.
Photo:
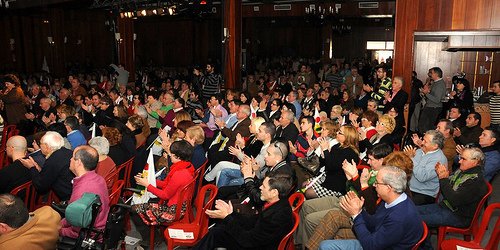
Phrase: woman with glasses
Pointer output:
(384, 127)
(333, 181)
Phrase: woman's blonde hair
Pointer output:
(257, 121)
(182, 116)
(351, 138)
(197, 133)
(388, 122)
(333, 128)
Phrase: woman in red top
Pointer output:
(180, 174)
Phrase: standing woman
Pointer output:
(462, 96)
(13, 99)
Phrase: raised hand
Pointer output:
(350, 169)
(410, 151)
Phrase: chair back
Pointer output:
(474, 225)
(124, 171)
(495, 235)
(8, 131)
(296, 200)
(27, 190)
(287, 241)
(200, 172)
(115, 192)
(424, 236)
(204, 200)
(185, 195)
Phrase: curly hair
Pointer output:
(400, 160)
(113, 135)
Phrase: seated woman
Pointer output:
(180, 174)
(385, 126)
(368, 121)
(117, 151)
(106, 166)
(139, 128)
(332, 183)
(240, 150)
(196, 136)
(399, 130)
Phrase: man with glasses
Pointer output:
(273, 113)
(395, 224)
(460, 192)
(275, 160)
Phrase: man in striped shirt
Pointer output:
(495, 106)
(211, 83)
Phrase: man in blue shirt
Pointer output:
(395, 224)
(75, 137)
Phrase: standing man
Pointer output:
(433, 95)
(211, 83)
(384, 87)
(495, 106)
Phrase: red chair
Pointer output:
(185, 195)
(479, 236)
(200, 172)
(296, 200)
(424, 236)
(116, 191)
(28, 194)
(124, 171)
(199, 227)
(474, 226)
(287, 241)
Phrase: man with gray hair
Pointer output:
(461, 191)
(424, 184)
(287, 131)
(55, 174)
(395, 224)
(14, 174)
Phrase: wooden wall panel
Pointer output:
(429, 54)
(458, 17)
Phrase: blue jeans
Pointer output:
(340, 245)
(230, 177)
(434, 216)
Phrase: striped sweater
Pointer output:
(495, 109)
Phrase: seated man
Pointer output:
(488, 141)
(55, 174)
(83, 165)
(262, 231)
(461, 192)
(22, 230)
(75, 136)
(471, 131)
(395, 224)
(14, 174)
(424, 184)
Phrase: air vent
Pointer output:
(368, 5)
(282, 7)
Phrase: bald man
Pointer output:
(15, 174)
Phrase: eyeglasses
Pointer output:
(380, 183)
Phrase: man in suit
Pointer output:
(396, 98)
(261, 231)
(55, 174)
(14, 174)
(287, 131)
(218, 151)
(395, 224)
